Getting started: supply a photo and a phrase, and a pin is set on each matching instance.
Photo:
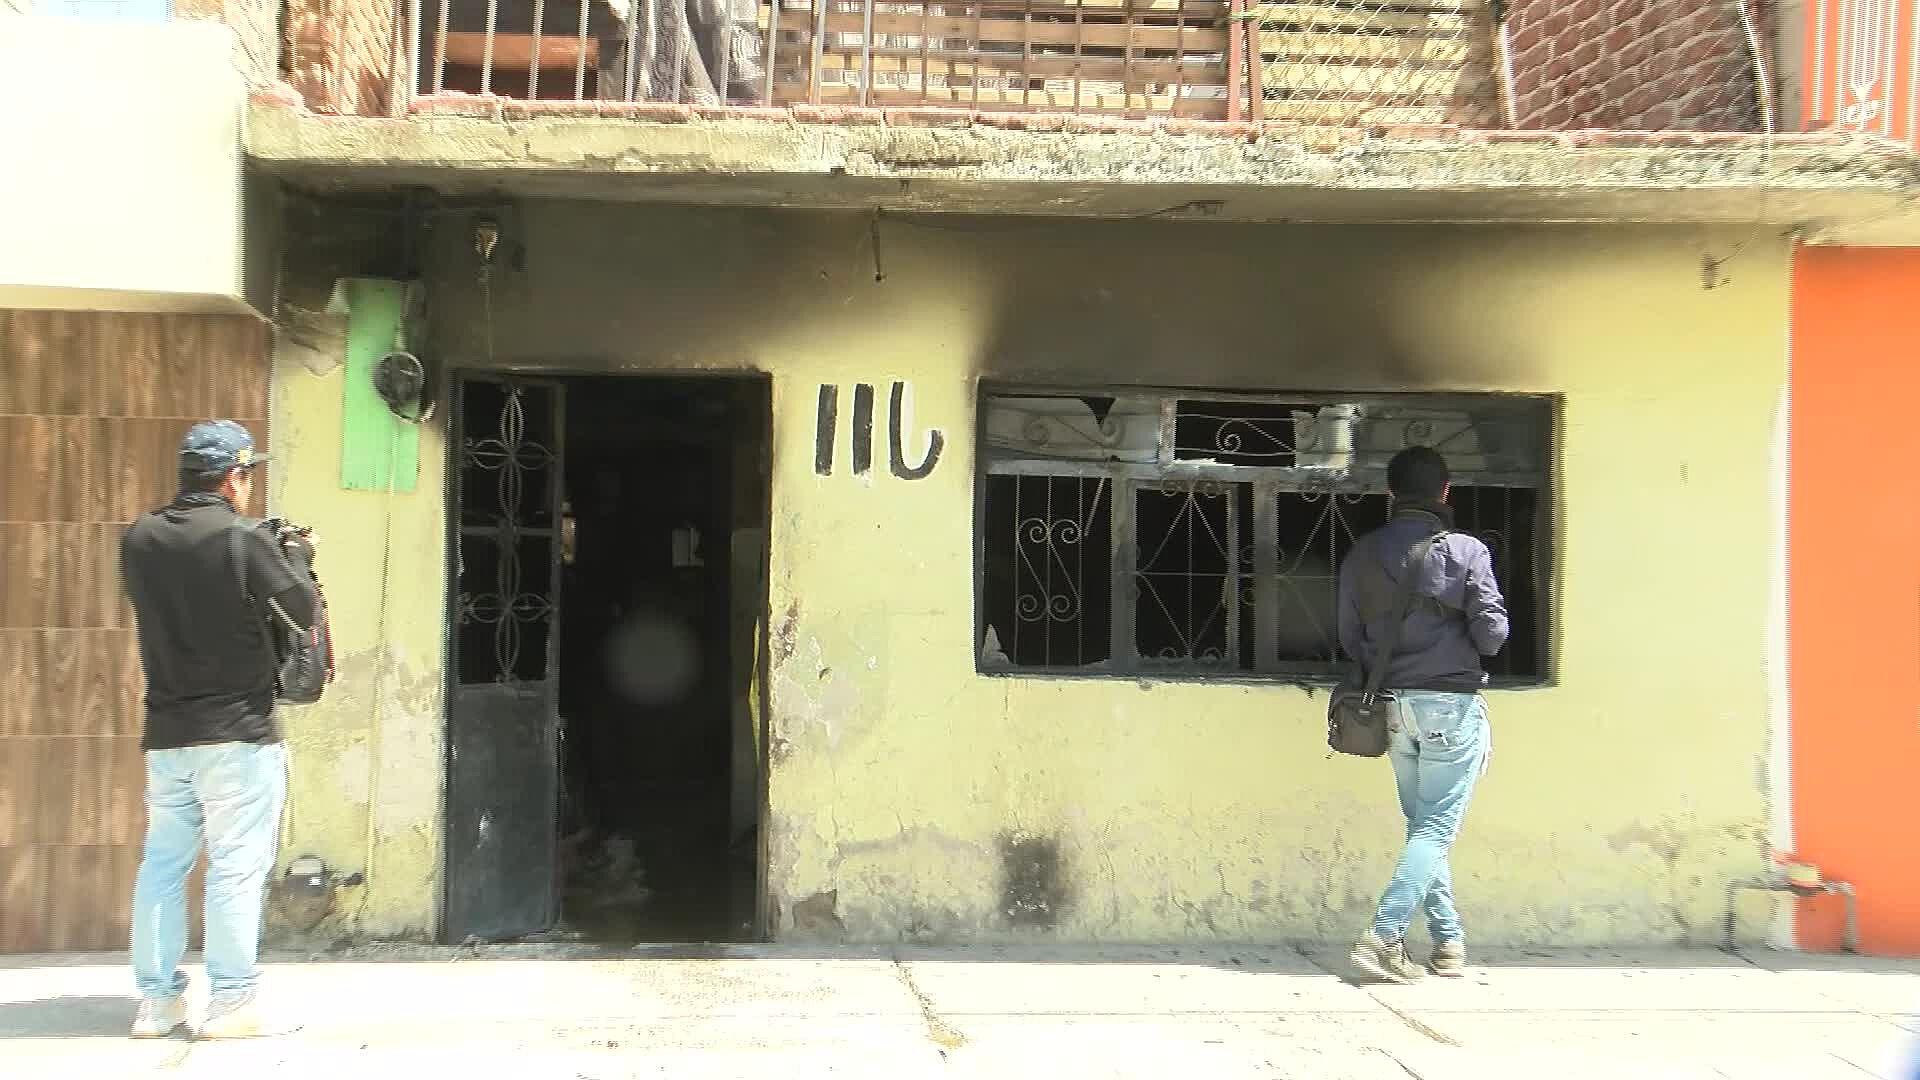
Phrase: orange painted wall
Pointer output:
(1854, 588)
(1863, 73)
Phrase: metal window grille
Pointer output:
(1134, 57)
(1376, 62)
(1153, 533)
(702, 52)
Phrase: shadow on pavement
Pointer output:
(73, 1017)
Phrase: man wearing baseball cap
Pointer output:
(216, 766)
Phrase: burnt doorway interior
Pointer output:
(663, 577)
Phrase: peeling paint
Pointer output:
(366, 769)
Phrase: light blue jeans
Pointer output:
(232, 795)
(1440, 746)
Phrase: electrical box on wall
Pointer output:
(379, 450)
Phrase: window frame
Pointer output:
(1267, 484)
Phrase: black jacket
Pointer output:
(208, 659)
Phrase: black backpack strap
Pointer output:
(1402, 603)
(236, 540)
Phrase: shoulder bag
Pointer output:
(1358, 718)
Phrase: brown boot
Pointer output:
(1449, 960)
(1382, 960)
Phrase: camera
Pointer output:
(283, 528)
(292, 536)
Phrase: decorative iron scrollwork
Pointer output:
(509, 605)
(1049, 539)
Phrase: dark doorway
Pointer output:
(664, 596)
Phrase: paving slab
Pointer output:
(1130, 982)
(1224, 1012)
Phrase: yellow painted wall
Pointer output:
(1620, 799)
(367, 770)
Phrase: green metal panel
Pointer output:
(376, 447)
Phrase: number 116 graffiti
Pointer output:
(826, 433)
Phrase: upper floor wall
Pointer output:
(118, 197)
(255, 23)
(1541, 64)
(1639, 65)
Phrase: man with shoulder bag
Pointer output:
(210, 592)
(1419, 608)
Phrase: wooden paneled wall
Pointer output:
(92, 407)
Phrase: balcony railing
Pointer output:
(1327, 62)
(1207, 59)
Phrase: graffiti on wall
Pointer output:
(826, 436)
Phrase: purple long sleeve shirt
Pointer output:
(1456, 617)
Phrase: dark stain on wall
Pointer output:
(1033, 889)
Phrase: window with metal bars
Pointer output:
(1189, 534)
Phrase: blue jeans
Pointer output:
(231, 794)
(1440, 746)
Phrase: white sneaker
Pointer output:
(158, 1018)
(231, 1018)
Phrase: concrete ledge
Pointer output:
(924, 160)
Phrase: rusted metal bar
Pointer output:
(1125, 582)
(440, 48)
(406, 79)
(679, 48)
(1079, 50)
(866, 53)
(1026, 56)
(580, 61)
(723, 53)
(773, 45)
(633, 53)
(533, 65)
(979, 13)
(418, 18)
(486, 48)
(1256, 70)
(1236, 59)
(1179, 56)
(650, 50)
(1266, 576)
(819, 48)
(1230, 588)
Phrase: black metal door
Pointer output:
(502, 715)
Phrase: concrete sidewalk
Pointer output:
(993, 1012)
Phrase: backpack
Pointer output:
(303, 656)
